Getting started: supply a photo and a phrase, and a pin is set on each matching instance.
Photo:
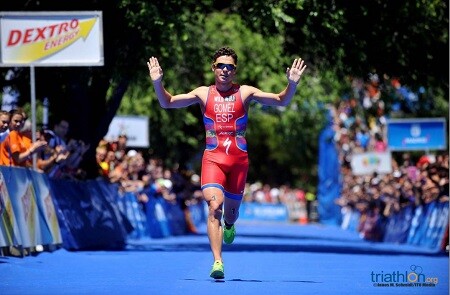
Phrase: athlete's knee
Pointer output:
(231, 210)
(215, 209)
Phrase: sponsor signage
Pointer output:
(368, 163)
(51, 38)
(263, 212)
(417, 134)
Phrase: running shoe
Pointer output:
(228, 234)
(217, 270)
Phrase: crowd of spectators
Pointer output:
(54, 153)
(51, 152)
(359, 123)
(147, 177)
(417, 178)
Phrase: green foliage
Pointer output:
(259, 57)
(406, 39)
(39, 112)
(283, 142)
(175, 135)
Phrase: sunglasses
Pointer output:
(229, 67)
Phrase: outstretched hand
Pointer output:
(295, 72)
(155, 71)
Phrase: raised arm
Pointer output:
(283, 98)
(166, 99)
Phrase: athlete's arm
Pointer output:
(283, 98)
(165, 98)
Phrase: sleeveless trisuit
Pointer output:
(225, 159)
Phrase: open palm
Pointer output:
(295, 72)
(155, 71)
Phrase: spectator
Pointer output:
(379, 144)
(362, 137)
(100, 156)
(59, 132)
(122, 142)
(18, 148)
(58, 140)
(49, 160)
(4, 127)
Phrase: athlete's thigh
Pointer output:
(212, 174)
(236, 178)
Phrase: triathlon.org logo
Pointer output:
(408, 278)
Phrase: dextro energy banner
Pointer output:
(51, 38)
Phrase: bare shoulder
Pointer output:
(201, 92)
(202, 89)
(247, 91)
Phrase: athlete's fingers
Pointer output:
(153, 62)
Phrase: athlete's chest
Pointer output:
(224, 107)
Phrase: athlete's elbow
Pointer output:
(283, 102)
(164, 105)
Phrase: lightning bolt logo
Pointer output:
(227, 144)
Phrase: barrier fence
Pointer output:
(93, 214)
(425, 226)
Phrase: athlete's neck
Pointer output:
(224, 87)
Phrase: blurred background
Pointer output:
(343, 44)
(368, 62)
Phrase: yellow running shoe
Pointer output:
(217, 270)
(228, 234)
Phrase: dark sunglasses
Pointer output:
(229, 67)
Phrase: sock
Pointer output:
(228, 226)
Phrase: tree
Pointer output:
(337, 39)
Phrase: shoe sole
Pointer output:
(217, 275)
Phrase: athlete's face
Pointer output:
(224, 69)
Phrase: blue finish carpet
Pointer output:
(265, 258)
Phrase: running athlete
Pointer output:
(225, 160)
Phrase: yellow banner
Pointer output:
(28, 53)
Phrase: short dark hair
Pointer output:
(225, 51)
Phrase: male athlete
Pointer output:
(225, 160)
